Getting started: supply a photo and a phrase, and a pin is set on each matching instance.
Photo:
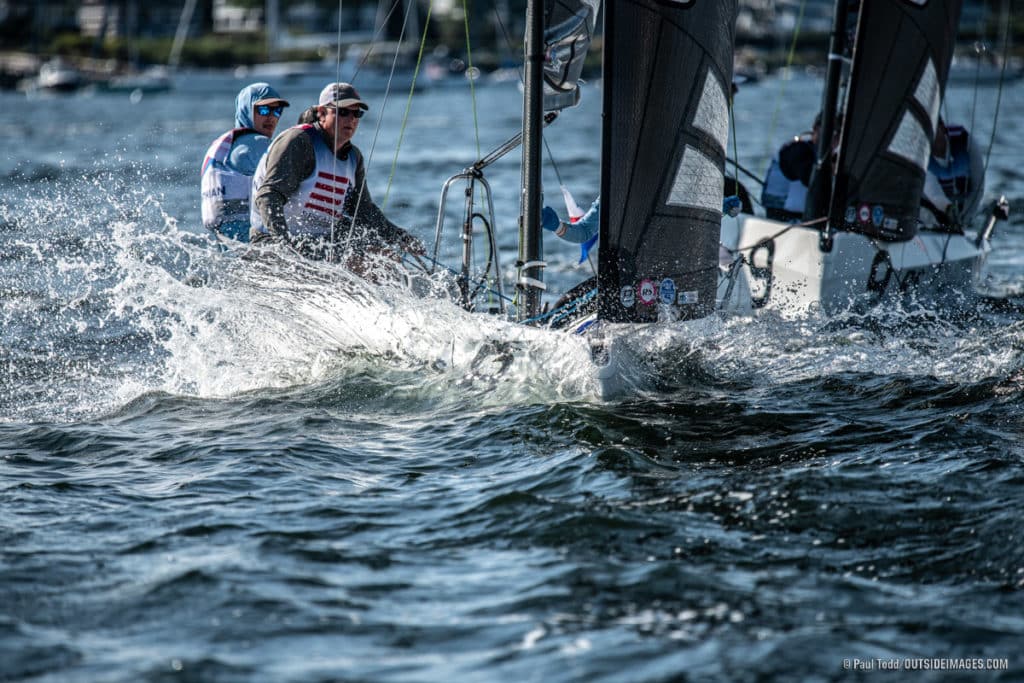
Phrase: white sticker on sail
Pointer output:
(712, 115)
(927, 92)
(698, 182)
(911, 141)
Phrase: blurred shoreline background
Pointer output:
(129, 44)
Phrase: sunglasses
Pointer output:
(267, 110)
(345, 113)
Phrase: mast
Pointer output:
(184, 21)
(819, 194)
(531, 274)
(272, 13)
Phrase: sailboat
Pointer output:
(860, 240)
(667, 73)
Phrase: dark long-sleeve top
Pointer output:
(796, 160)
(291, 159)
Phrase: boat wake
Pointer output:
(114, 300)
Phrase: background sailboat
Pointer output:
(860, 240)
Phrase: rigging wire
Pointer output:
(373, 40)
(391, 75)
(408, 102)
(745, 171)
(782, 91)
(387, 91)
(334, 157)
(380, 118)
(337, 55)
(979, 47)
(1002, 76)
(735, 144)
(470, 75)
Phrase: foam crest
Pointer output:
(107, 298)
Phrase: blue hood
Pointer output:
(250, 95)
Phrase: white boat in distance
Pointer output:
(55, 76)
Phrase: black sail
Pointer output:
(901, 59)
(667, 83)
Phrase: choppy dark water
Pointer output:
(221, 470)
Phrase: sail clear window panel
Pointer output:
(712, 114)
(698, 182)
(927, 92)
(911, 141)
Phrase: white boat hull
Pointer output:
(784, 268)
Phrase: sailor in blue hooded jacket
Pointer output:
(231, 161)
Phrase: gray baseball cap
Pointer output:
(341, 95)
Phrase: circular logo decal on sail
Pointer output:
(851, 214)
(627, 297)
(647, 292)
(667, 291)
(864, 213)
(877, 214)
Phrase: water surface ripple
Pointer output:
(215, 468)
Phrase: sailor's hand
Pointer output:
(731, 206)
(549, 219)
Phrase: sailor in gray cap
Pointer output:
(310, 188)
